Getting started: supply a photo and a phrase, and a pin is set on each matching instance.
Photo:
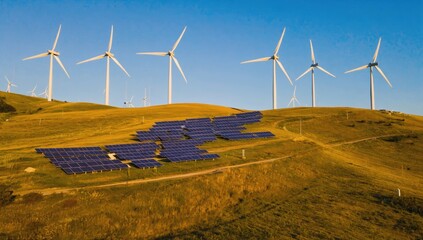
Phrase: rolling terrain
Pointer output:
(329, 173)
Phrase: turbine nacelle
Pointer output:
(274, 57)
(314, 65)
(171, 54)
(373, 64)
(52, 52)
(109, 54)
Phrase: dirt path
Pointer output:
(48, 191)
(365, 139)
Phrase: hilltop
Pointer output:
(328, 173)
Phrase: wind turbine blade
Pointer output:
(92, 59)
(377, 50)
(57, 38)
(325, 71)
(7, 79)
(312, 53)
(357, 69)
(284, 71)
(120, 65)
(179, 39)
(302, 75)
(292, 99)
(13, 85)
(154, 53)
(179, 67)
(295, 89)
(61, 65)
(279, 43)
(257, 60)
(36, 56)
(111, 40)
(131, 99)
(383, 75)
(297, 101)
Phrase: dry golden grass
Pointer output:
(340, 181)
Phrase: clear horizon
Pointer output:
(219, 36)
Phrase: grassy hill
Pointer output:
(330, 173)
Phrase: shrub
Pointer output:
(6, 195)
(409, 204)
(4, 107)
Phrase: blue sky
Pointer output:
(220, 34)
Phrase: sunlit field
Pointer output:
(329, 173)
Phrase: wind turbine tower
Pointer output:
(314, 65)
(371, 65)
(109, 55)
(145, 98)
(171, 54)
(275, 59)
(53, 54)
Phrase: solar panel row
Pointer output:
(192, 157)
(78, 158)
(132, 146)
(134, 155)
(146, 163)
(73, 154)
(94, 168)
(84, 149)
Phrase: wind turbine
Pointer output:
(294, 99)
(109, 55)
(371, 65)
(33, 94)
(53, 54)
(314, 65)
(44, 94)
(171, 54)
(9, 84)
(275, 59)
(129, 103)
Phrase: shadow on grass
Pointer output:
(409, 204)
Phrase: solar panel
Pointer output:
(148, 163)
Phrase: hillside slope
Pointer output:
(328, 173)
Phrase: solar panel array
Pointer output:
(177, 136)
(178, 142)
(81, 160)
(206, 129)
